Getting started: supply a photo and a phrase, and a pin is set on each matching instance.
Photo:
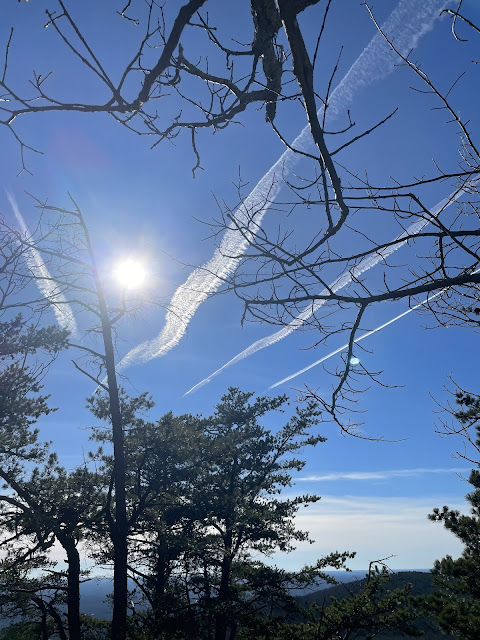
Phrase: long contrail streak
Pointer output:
(342, 281)
(44, 280)
(409, 21)
(427, 300)
(362, 337)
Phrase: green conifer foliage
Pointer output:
(456, 603)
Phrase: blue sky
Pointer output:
(376, 496)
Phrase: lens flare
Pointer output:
(130, 273)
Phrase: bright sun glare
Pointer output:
(130, 273)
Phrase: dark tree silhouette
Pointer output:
(205, 501)
(456, 602)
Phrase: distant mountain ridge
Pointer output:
(422, 585)
(94, 592)
(95, 601)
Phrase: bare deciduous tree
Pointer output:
(292, 278)
(211, 94)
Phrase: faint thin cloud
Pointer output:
(44, 280)
(379, 475)
(376, 527)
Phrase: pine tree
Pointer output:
(204, 498)
(25, 352)
(456, 602)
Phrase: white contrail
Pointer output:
(342, 281)
(406, 24)
(362, 337)
(45, 282)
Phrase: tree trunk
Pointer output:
(43, 617)
(58, 621)
(118, 529)
(73, 585)
(221, 618)
(119, 537)
(120, 590)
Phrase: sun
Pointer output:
(130, 273)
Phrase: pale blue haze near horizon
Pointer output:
(376, 495)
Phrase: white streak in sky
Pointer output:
(45, 283)
(338, 284)
(362, 337)
(379, 475)
(409, 21)
(427, 300)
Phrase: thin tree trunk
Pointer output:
(58, 621)
(43, 617)
(73, 586)
(118, 528)
(119, 537)
(221, 618)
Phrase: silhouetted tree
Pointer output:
(362, 614)
(69, 252)
(33, 600)
(456, 603)
(163, 460)
(26, 350)
(249, 466)
(203, 501)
